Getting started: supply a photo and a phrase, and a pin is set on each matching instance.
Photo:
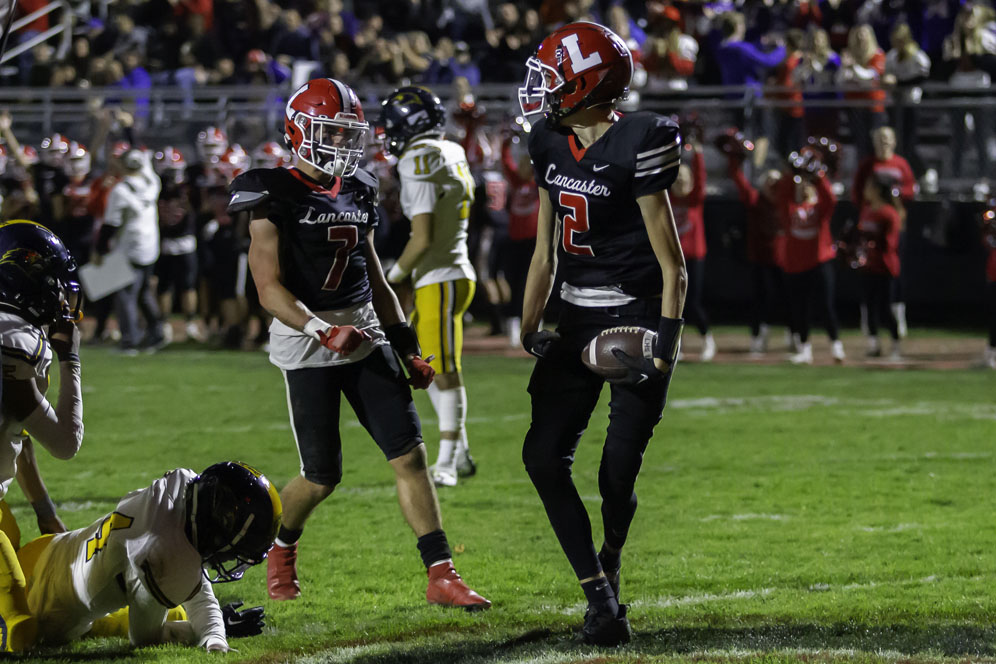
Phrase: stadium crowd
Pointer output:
(858, 50)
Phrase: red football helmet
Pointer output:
(212, 143)
(271, 155)
(170, 164)
(324, 126)
(77, 160)
(234, 162)
(579, 66)
(54, 149)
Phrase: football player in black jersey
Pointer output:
(605, 223)
(337, 326)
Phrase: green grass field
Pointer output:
(786, 515)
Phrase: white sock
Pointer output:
(451, 411)
(462, 446)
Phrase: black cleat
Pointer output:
(611, 575)
(466, 466)
(603, 628)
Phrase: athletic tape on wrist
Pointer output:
(314, 326)
(396, 274)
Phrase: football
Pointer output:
(634, 341)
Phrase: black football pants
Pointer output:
(802, 291)
(875, 290)
(564, 393)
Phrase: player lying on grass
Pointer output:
(338, 328)
(605, 225)
(156, 551)
(37, 283)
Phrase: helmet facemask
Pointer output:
(537, 96)
(46, 291)
(333, 146)
(232, 516)
(217, 529)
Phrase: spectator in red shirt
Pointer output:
(887, 164)
(788, 129)
(805, 204)
(989, 241)
(669, 55)
(878, 231)
(763, 235)
(688, 202)
(885, 161)
(523, 206)
(861, 68)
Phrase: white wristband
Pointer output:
(314, 326)
(396, 274)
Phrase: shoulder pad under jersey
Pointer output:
(366, 178)
(254, 188)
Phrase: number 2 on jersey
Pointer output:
(346, 237)
(575, 223)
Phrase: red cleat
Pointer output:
(446, 588)
(281, 573)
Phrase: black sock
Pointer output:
(287, 536)
(433, 547)
(610, 559)
(598, 593)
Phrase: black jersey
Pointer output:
(603, 241)
(323, 232)
(176, 215)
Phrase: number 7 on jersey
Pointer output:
(346, 237)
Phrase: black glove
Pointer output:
(666, 343)
(540, 343)
(640, 371)
(248, 622)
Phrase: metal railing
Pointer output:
(497, 98)
(251, 114)
(64, 28)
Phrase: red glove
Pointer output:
(420, 373)
(343, 340)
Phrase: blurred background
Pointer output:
(793, 86)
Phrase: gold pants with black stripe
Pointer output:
(438, 320)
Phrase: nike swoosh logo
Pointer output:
(599, 168)
(237, 195)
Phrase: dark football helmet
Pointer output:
(324, 126)
(580, 65)
(232, 516)
(408, 112)
(37, 274)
